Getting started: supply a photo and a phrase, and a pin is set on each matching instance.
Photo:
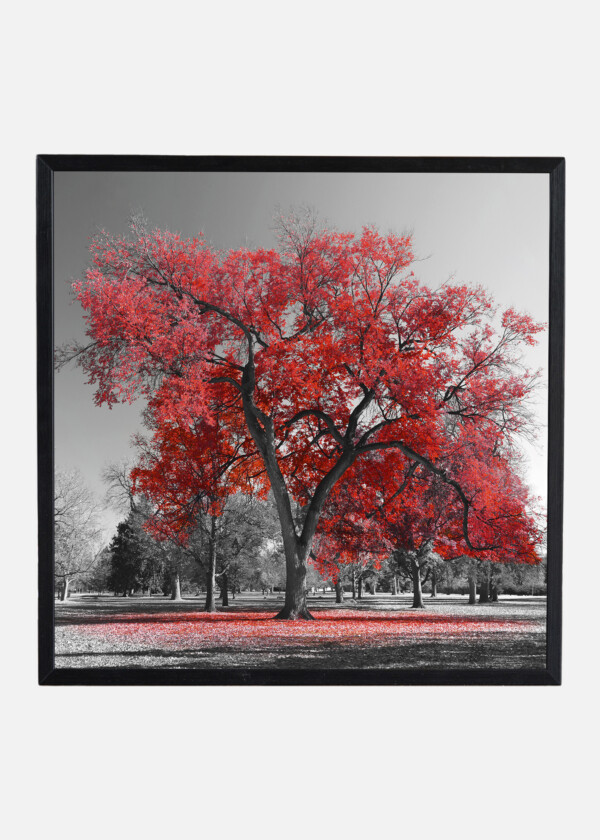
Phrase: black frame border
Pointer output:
(47, 165)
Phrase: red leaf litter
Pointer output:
(251, 630)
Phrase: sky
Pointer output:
(488, 229)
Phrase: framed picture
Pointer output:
(300, 420)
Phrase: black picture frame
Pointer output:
(47, 165)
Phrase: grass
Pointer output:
(377, 632)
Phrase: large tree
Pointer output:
(325, 351)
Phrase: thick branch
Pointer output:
(320, 496)
(308, 412)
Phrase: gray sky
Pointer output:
(490, 229)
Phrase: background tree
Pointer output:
(247, 525)
(189, 470)
(134, 559)
(267, 570)
(77, 533)
(165, 560)
(97, 579)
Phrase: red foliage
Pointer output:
(316, 358)
(187, 468)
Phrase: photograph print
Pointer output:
(300, 420)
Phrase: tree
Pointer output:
(138, 562)
(247, 526)
(268, 569)
(189, 470)
(163, 559)
(98, 577)
(77, 533)
(421, 517)
(324, 352)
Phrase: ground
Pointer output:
(376, 632)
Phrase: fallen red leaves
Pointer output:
(251, 630)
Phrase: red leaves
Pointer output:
(340, 350)
(229, 632)
(521, 325)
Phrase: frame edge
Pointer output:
(556, 368)
(45, 417)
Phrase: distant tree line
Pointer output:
(247, 548)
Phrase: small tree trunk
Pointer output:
(494, 592)
(354, 586)
(374, 588)
(417, 592)
(339, 593)
(64, 592)
(395, 585)
(360, 586)
(212, 566)
(472, 586)
(484, 591)
(224, 588)
(176, 587)
(433, 584)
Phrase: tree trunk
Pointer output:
(360, 585)
(472, 586)
(212, 566)
(297, 548)
(176, 587)
(354, 586)
(374, 588)
(494, 592)
(295, 606)
(224, 587)
(484, 589)
(296, 556)
(395, 585)
(339, 593)
(64, 595)
(417, 592)
(433, 584)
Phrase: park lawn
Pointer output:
(377, 632)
